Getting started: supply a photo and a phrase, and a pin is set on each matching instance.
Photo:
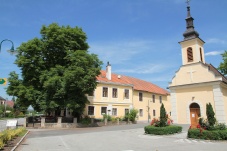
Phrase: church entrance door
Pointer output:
(194, 114)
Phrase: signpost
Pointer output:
(3, 81)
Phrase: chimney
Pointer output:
(108, 71)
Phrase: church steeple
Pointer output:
(190, 33)
(192, 46)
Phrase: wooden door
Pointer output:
(194, 114)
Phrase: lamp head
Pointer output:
(12, 51)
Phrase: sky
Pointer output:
(138, 37)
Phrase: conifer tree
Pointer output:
(163, 118)
(210, 114)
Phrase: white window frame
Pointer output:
(88, 110)
(160, 99)
(153, 98)
(101, 110)
(141, 115)
(127, 109)
(106, 92)
(114, 112)
(116, 92)
(141, 98)
(126, 97)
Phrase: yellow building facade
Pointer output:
(116, 94)
(196, 83)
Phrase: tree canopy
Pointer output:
(56, 70)
(223, 65)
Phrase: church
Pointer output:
(196, 83)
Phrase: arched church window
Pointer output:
(201, 57)
(190, 54)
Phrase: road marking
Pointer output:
(192, 141)
(149, 136)
(64, 143)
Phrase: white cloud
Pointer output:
(215, 41)
(144, 69)
(213, 53)
(120, 51)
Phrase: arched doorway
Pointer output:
(194, 114)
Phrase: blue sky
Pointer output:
(138, 37)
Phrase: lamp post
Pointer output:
(11, 51)
(5, 107)
(148, 111)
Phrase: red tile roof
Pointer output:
(216, 72)
(137, 84)
(10, 103)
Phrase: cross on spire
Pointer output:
(188, 2)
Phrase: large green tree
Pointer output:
(223, 65)
(56, 70)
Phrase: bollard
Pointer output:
(105, 121)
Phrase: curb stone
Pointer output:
(20, 141)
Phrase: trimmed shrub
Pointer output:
(210, 115)
(163, 118)
(7, 135)
(86, 120)
(171, 129)
(133, 114)
(207, 134)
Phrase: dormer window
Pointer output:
(190, 54)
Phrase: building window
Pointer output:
(154, 113)
(114, 111)
(91, 110)
(114, 93)
(190, 54)
(153, 98)
(105, 92)
(201, 56)
(126, 93)
(141, 112)
(103, 110)
(160, 99)
(140, 96)
(126, 111)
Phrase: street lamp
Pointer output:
(148, 111)
(5, 107)
(11, 51)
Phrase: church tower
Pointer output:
(196, 83)
(192, 46)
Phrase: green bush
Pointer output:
(7, 135)
(86, 120)
(108, 117)
(133, 115)
(207, 134)
(171, 129)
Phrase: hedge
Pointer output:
(171, 129)
(8, 135)
(207, 134)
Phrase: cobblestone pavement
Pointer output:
(114, 138)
